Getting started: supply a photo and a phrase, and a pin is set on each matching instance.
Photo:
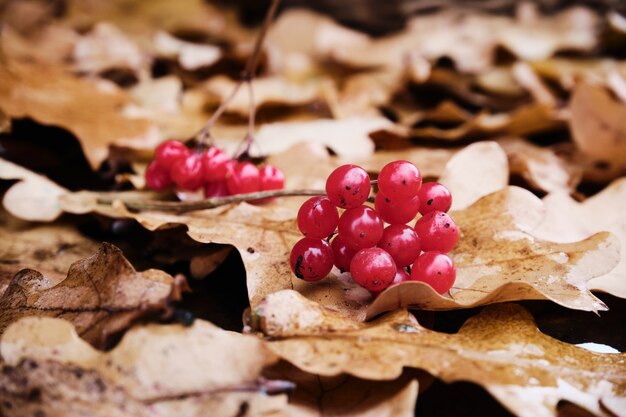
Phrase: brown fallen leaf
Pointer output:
(156, 370)
(524, 120)
(101, 295)
(597, 126)
(345, 395)
(472, 43)
(497, 259)
(500, 349)
(59, 99)
(566, 71)
(50, 249)
(540, 166)
(568, 220)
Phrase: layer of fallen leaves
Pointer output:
(501, 349)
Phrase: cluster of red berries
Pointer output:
(378, 256)
(212, 169)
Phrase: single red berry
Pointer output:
(401, 276)
(157, 177)
(373, 269)
(342, 254)
(360, 227)
(169, 152)
(396, 211)
(311, 259)
(271, 178)
(317, 217)
(348, 186)
(434, 196)
(214, 164)
(402, 243)
(215, 189)
(437, 231)
(187, 172)
(435, 269)
(244, 178)
(400, 180)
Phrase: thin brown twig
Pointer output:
(204, 135)
(213, 202)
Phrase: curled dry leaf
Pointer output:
(267, 91)
(497, 259)
(345, 395)
(597, 126)
(500, 349)
(191, 56)
(568, 220)
(541, 167)
(468, 180)
(34, 197)
(101, 295)
(59, 99)
(50, 249)
(156, 370)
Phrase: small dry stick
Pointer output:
(204, 135)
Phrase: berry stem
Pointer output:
(204, 136)
(213, 202)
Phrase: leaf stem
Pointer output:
(213, 202)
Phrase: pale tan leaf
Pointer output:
(500, 349)
(34, 197)
(191, 56)
(468, 180)
(102, 295)
(568, 220)
(154, 371)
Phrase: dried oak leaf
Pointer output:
(50, 249)
(497, 259)
(541, 167)
(92, 110)
(597, 126)
(567, 220)
(156, 370)
(345, 395)
(500, 349)
(101, 295)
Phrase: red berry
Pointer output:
(317, 217)
(348, 186)
(311, 259)
(215, 189)
(434, 196)
(400, 277)
(435, 269)
(244, 178)
(400, 180)
(342, 254)
(271, 178)
(157, 177)
(187, 172)
(214, 164)
(373, 269)
(169, 152)
(396, 211)
(437, 231)
(402, 243)
(360, 227)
